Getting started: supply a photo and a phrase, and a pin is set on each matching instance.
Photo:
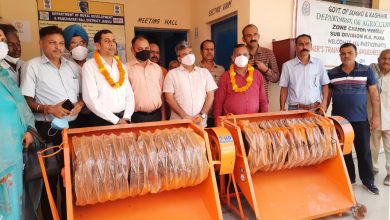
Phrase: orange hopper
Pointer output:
(296, 186)
(200, 201)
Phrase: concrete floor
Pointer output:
(378, 206)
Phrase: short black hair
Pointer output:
(206, 41)
(248, 26)
(8, 29)
(138, 37)
(238, 46)
(344, 45)
(49, 30)
(98, 35)
(302, 35)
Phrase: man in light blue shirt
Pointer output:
(303, 79)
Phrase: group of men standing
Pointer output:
(77, 92)
(305, 84)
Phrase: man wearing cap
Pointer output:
(76, 42)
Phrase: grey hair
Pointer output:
(181, 46)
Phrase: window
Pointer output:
(359, 3)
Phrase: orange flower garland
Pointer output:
(106, 74)
(249, 79)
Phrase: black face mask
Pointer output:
(142, 55)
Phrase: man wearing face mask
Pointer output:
(146, 79)
(12, 62)
(262, 59)
(241, 88)
(303, 79)
(47, 83)
(76, 42)
(155, 57)
(189, 90)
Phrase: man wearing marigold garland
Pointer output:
(106, 88)
(241, 88)
(303, 79)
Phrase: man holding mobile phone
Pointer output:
(51, 86)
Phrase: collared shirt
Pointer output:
(147, 85)
(14, 74)
(216, 71)
(349, 98)
(304, 82)
(384, 97)
(100, 97)
(49, 85)
(267, 56)
(189, 88)
(251, 101)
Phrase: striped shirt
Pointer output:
(268, 58)
(350, 91)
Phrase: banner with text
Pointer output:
(91, 15)
(331, 25)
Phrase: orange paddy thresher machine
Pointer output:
(287, 165)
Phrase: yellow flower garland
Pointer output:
(249, 79)
(106, 74)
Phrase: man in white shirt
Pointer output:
(47, 81)
(12, 62)
(106, 89)
(382, 73)
(189, 90)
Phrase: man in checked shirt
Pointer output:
(261, 58)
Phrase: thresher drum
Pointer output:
(289, 165)
(158, 170)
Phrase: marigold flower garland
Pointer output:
(249, 79)
(106, 74)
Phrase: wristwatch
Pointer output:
(203, 116)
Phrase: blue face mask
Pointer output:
(58, 124)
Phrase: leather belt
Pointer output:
(306, 107)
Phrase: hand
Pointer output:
(27, 139)
(262, 67)
(4, 179)
(186, 117)
(76, 109)
(374, 122)
(122, 121)
(57, 110)
(323, 106)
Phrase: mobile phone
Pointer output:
(68, 105)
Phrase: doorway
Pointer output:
(224, 34)
(165, 39)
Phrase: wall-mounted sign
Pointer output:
(171, 22)
(220, 8)
(331, 25)
(91, 15)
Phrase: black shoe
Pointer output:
(372, 189)
(353, 182)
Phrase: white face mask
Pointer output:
(11, 59)
(3, 50)
(188, 59)
(79, 53)
(241, 61)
